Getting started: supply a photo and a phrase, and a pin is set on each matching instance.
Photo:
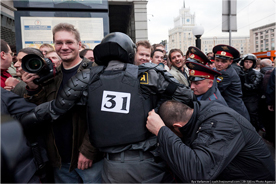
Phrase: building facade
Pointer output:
(181, 35)
(7, 22)
(263, 38)
(242, 44)
(127, 16)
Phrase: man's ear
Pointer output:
(230, 61)
(3, 55)
(210, 83)
(79, 45)
(178, 125)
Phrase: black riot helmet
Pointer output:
(115, 46)
(251, 57)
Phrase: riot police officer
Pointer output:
(251, 80)
(119, 96)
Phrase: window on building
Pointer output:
(262, 37)
(257, 50)
(257, 42)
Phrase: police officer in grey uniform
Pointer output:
(119, 96)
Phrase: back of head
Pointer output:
(4, 46)
(30, 50)
(250, 57)
(265, 63)
(173, 111)
(115, 46)
(66, 27)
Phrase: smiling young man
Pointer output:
(73, 157)
(229, 82)
(157, 56)
(178, 68)
(143, 51)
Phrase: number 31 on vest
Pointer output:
(117, 102)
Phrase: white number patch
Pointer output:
(115, 102)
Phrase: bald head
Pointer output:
(265, 62)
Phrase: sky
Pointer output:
(208, 13)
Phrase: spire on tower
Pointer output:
(183, 3)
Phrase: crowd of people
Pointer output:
(127, 112)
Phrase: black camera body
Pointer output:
(43, 67)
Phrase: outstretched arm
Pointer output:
(65, 100)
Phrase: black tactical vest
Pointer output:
(116, 114)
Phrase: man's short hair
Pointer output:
(154, 46)
(66, 27)
(84, 51)
(30, 50)
(4, 46)
(144, 43)
(173, 111)
(156, 50)
(209, 53)
(175, 50)
(47, 45)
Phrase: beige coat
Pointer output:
(179, 76)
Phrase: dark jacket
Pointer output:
(270, 91)
(20, 89)
(237, 68)
(251, 82)
(25, 167)
(80, 138)
(230, 89)
(266, 71)
(214, 94)
(217, 144)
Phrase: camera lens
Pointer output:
(34, 65)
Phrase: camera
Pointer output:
(43, 67)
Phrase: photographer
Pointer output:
(73, 157)
(20, 88)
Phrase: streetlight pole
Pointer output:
(198, 32)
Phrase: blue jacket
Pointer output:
(229, 85)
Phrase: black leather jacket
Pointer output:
(251, 81)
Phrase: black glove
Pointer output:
(38, 115)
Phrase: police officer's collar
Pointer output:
(189, 129)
